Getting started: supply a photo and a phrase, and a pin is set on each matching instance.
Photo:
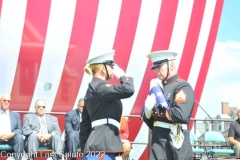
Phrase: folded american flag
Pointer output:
(159, 95)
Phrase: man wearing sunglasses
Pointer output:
(41, 129)
(72, 128)
(10, 127)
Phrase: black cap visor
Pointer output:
(108, 62)
(158, 63)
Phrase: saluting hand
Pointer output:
(117, 71)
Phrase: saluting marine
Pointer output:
(169, 140)
(99, 135)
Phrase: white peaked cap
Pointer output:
(161, 55)
(101, 58)
(158, 57)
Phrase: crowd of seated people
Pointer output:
(40, 129)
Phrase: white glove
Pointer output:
(117, 71)
(149, 103)
(154, 82)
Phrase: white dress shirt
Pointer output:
(5, 125)
(43, 125)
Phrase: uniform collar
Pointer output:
(170, 80)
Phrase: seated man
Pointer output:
(10, 127)
(41, 129)
(72, 128)
(234, 134)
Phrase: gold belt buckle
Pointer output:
(177, 136)
(155, 123)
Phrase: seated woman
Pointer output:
(124, 133)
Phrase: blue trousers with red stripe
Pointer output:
(106, 156)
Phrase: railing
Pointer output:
(213, 126)
(208, 120)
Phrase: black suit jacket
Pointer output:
(72, 122)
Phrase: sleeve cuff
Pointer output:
(124, 78)
(168, 116)
(35, 132)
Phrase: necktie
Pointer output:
(43, 126)
(79, 118)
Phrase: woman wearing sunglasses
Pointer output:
(99, 133)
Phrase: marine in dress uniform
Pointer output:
(169, 140)
(99, 134)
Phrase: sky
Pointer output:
(223, 80)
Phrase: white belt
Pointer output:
(166, 125)
(106, 121)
